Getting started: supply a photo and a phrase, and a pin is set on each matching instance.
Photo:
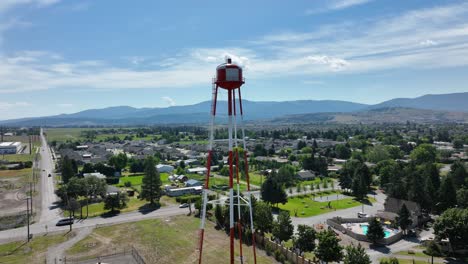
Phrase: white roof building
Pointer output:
(164, 168)
(96, 174)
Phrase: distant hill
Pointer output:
(125, 115)
(322, 110)
(380, 115)
(457, 102)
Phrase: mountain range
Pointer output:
(431, 108)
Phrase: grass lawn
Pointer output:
(416, 253)
(409, 261)
(256, 178)
(188, 142)
(306, 206)
(17, 157)
(97, 209)
(21, 252)
(169, 240)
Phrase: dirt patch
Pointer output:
(14, 187)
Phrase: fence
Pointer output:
(130, 252)
(287, 253)
(337, 221)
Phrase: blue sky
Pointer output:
(60, 56)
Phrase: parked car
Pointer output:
(362, 215)
(65, 221)
(184, 205)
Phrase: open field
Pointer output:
(170, 240)
(17, 157)
(64, 134)
(21, 252)
(74, 134)
(13, 188)
(306, 206)
(23, 173)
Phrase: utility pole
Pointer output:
(31, 196)
(27, 210)
(30, 145)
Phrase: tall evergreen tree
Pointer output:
(447, 195)
(458, 174)
(404, 218)
(328, 248)
(375, 231)
(283, 228)
(151, 183)
(67, 170)
(305, 239)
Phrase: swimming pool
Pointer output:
(366, 227)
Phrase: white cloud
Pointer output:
(169, 100)
(342, 4)
(9, 4)
(12, 105)
(427, 43)
(65, 105)
(399, 41)
(336, 5)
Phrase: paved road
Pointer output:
(40, 228)
(48, 198)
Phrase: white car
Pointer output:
(362, 215)
(185, 205)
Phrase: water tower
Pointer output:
(229, 77)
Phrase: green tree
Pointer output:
(263, 217)
(453, 225)
(283, 228)
(458, 174)
(377, 154)
(457, 143)
(375, 231)
(433, 249)
(424, 153)
(328, 248)
(272, 192)
(462, 198)
(356, 255)
(298, 188)
(118, 161)
(342, 151)
(115, 201)
(305, 238)
(151, 183)
(67, 170)
(219, 215)
(404, 218)
(447, 195)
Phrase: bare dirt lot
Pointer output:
(13, 189)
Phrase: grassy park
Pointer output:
(306, 206)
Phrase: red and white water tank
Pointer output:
(229, 75)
